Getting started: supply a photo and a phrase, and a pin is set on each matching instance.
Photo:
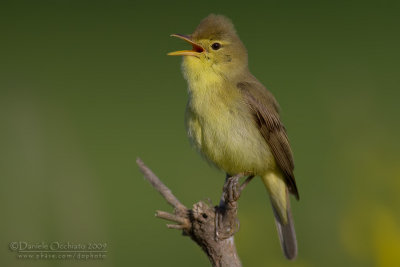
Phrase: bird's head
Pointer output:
(215, 47)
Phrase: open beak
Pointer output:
(196, 48)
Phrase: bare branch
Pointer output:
(172, 217)
(212, 228)
(159, 186)
(176, 226)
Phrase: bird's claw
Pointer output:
(225, 228)
(232, 189)
(226, 222)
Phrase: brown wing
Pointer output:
(266, 114)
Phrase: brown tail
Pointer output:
(286, 232)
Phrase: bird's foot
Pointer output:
(231, 190)
(226, 222)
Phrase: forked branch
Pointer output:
(212, 228)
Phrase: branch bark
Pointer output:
(212, 228)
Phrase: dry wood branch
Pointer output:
(212, 228)
(159, 186)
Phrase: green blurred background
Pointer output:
(86, 88)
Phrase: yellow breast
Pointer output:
(221, 126)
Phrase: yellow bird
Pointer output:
(234, 121)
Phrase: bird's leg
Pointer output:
(246, 182)
(226, 222)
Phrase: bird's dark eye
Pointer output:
(216, 46)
